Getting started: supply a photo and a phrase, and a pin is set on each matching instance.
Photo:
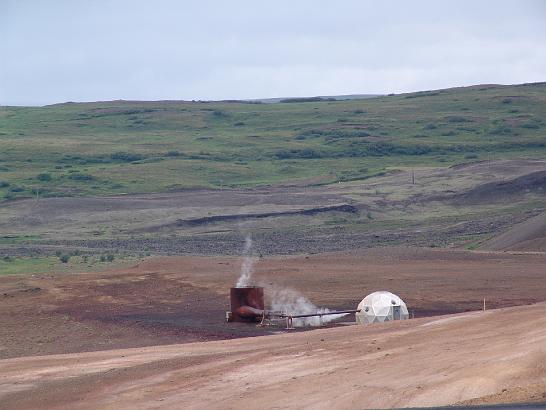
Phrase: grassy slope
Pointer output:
(42, 264)
(174, 145)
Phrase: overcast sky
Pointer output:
(55, 51)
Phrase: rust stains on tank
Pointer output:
(247, 304)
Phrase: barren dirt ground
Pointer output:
(167, 300)
(476, 357)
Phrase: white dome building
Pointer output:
(381, 307)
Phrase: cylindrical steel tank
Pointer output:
(247, 304)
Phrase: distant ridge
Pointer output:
(241, 101)
(343, 97)
(316, 98)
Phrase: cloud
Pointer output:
(98, 50)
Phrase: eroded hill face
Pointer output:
(529, 236)
(461, 206)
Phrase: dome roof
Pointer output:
(381, 306)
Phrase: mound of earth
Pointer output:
(495, 356)
(526, 236)
(534, 182)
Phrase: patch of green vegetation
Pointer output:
(16, 239)
(473, 246)
(130, 147)
(65, 262)
(108, 257)
(15, 265)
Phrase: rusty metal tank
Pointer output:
(247, 304)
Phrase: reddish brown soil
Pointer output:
(477, 357)
(184, 299)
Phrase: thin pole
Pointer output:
(484, 304)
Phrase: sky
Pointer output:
(55, 51)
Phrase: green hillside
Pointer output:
(117, 147)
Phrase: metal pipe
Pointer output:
(247, 305)
(249, 311)
(339, 312)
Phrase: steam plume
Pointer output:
(247, 265)
(284, 300)
(292, 302)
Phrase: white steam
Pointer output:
(292, 302)
(247, 265)
(287, 301)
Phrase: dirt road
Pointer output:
(478, 357)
